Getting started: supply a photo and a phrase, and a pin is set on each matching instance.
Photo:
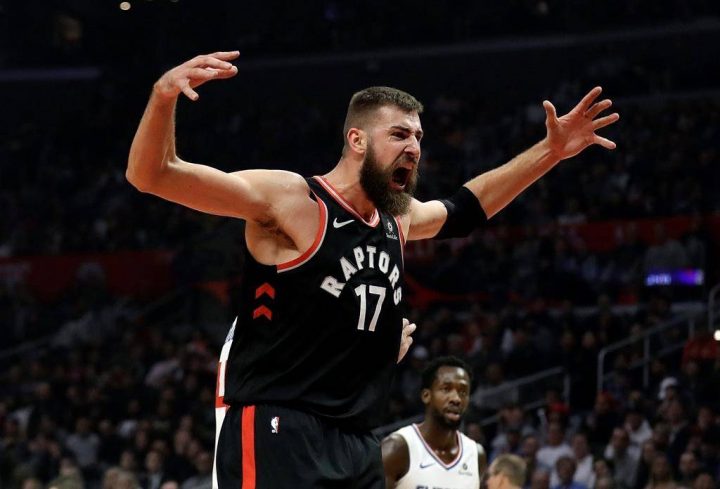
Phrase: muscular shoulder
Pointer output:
(274, 193)
(275, 180)
(396, 456)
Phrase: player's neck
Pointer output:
(440, 438)
(345, 179)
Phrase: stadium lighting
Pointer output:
(717, 335)
(125, 5)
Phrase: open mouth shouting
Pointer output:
(400, 177)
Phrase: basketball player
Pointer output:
(434, 453)
(319, 327)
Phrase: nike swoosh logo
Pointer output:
(338, 225)
(426, 465)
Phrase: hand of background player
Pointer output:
(193, 73)
(575, 131)
(406, 338)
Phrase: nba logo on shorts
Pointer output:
(275, 425)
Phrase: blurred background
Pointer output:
(586, 309)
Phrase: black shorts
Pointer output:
(272, 447)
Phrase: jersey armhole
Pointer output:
(319, 238)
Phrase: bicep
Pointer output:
(395, 458)
(426, 219)
(246, 194)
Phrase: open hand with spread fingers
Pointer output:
(570, 134)
(193, 73)
(406, 338)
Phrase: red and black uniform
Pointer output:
(313, 355)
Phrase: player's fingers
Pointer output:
(604, 142)
(202, 73)
(222, 74)
(588, 99)
(406, 321)
(225, 55)
(605, 121)
(211, 62)
(593, 111)
(189, 92)
(550, 112)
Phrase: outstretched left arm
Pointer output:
(566, 137)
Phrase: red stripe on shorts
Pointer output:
(248, 447)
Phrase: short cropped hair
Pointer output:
(430, 371)
(512, 467)
(366, 101)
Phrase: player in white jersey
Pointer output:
(434, 454)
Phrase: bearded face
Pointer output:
(390, 189)
(450, 421)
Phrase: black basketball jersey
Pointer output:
(321, 333)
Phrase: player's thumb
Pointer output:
(550, 112)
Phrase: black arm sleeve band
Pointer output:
(464, 214)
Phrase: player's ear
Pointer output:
(425, 396)
(357, 140)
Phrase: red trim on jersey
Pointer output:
(432, 452)
(220, 399)
(374, 220)
(310, 252)
(248, 447)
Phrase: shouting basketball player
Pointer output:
(319, 327)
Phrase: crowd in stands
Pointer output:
(68, 32)
(135, 408)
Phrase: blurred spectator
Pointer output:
(203, 478)
(637, 427)
(679, 430)
(565, 468)
(117, 478)
(69, 476)
(624, 459)
(603, 469)
(512, 427)
(704, 480)
(555, 447)
(529, 451)
(540, 479)
(154, 476)
(493, 392)
(647, 456)
(661, 476)
(84, 444)
(600, 423)
(688, 469)
(584, 461)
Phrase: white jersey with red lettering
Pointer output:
(428, 471)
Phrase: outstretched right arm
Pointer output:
(154, 166)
